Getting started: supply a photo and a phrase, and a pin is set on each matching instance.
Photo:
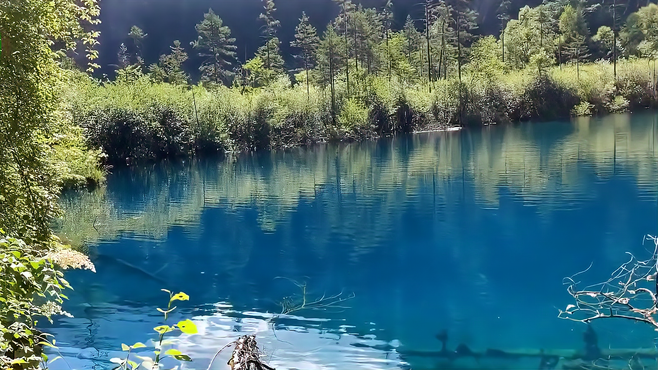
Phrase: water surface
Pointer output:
(470, 232)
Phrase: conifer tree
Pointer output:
(343, 22)
(306, 40)
(169, 69)
(387, 18)
(504, 17)
(216, 45)
(329, 60)
(138, 36)
(270, 52)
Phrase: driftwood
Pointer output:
(246, 355)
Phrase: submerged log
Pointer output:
(571, 354)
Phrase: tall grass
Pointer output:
(136, 119)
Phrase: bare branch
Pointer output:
(631, 293)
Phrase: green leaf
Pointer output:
(180, 297)
(133, 364)
(47, 344)
(162, 329)
(116, 360)
(144, 358)
(124, 347)
(183, 358)
(139, 345)
(187, 327)
(173, 352)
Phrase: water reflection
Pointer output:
(468, 231)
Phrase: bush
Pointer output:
(137, 119)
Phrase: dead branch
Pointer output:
(631, 293)
(293, 303)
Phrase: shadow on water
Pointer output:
(467, 231)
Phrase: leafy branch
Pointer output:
(185, 327)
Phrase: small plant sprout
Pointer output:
(155, 362)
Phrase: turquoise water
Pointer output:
(470, 232)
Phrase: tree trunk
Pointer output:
(388, 56)
(333, 92)
(459, 70)
(614, 39)
(429, 54)
(347, 51)
(502, 39)
(308, 87)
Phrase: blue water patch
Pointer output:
(470, 232)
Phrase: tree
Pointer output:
(306, 40)
(216, 45)
(29, 78)
(169, 68)
(574, 33)
(413, 44)
(463, 22)
(123, 59)
(631, 34)
(504, 17)
(577, 52)
(429, 20)
(138, 36)
(329, 62)
(605, 36)
(270, 51)
(342, 23)
(271, 55)
(387, 17)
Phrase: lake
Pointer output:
(471, 232)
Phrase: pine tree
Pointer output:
(329, 60)
(270, 51)
(429, 20)
(138, 36)
(463, 22)
(217, 46)
(169, 68)
(306, 40)
(343, 22)
(412, 43)
(504, 17)
(123, 58)
(387, 17)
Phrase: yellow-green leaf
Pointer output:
(187, 327)
(180, 297)
(173, 352)
(124, 347)
(162, 329)
(139, 345)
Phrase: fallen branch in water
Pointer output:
(246, 355)
(292, 304)
(631, 293)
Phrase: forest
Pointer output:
(363, 78)
(359, 78)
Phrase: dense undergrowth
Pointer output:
(138, 119)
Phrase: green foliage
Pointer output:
(217, 47)
(155, 362)
(29, 78)
(170, 67)
(31, 288)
